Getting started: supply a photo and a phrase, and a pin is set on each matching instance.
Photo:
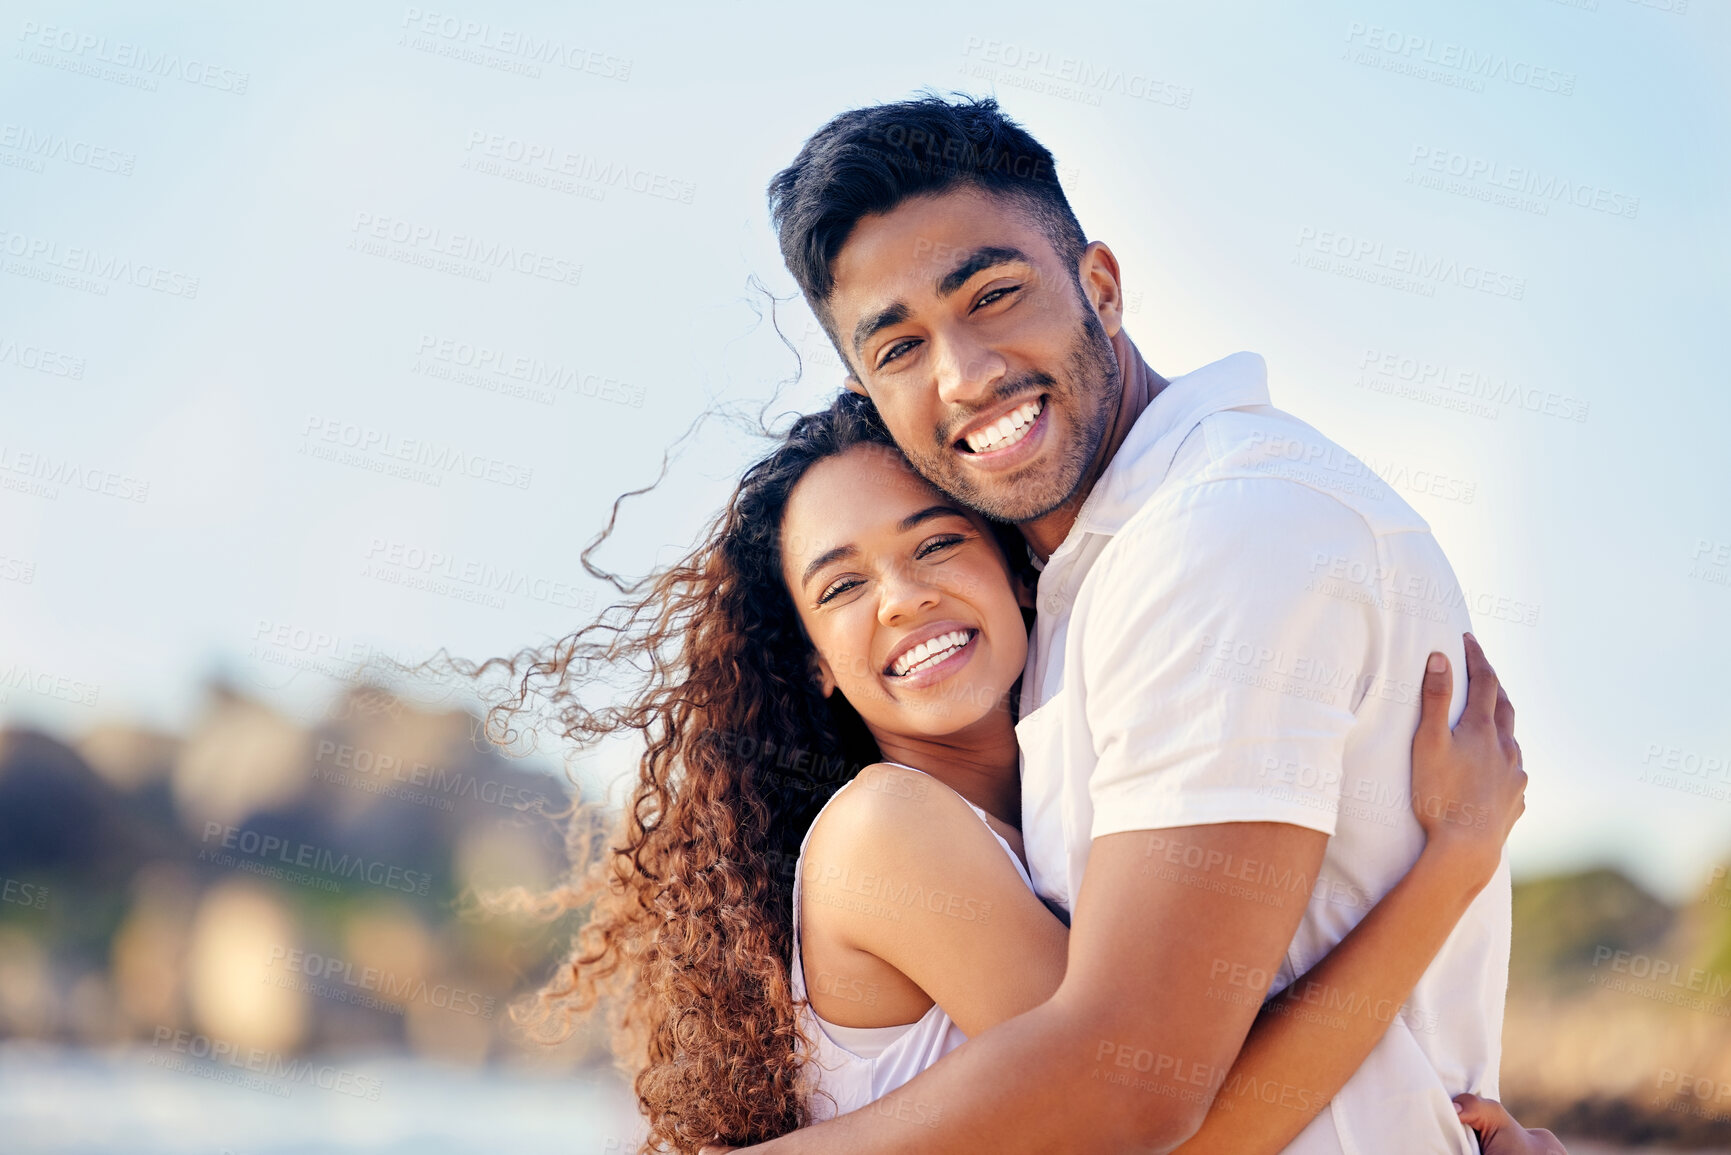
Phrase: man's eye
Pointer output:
(836, 589)
(936, 545)
(895, 351)
(996, 295)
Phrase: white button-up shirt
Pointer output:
(1235, 630)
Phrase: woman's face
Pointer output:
(904, 593)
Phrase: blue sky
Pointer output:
(456, 289)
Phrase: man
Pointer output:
(1219, 702)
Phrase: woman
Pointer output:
(846, 626)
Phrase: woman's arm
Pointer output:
(1467, 787)
(1467, 793)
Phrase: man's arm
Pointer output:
(1129, 1052)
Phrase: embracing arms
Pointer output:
(984, 971)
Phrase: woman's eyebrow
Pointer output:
(830, 556)
(827, 557)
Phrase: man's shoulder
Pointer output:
(1285, 465)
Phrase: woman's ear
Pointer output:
(822, 674)
(1024, 591)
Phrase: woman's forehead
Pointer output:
(869, 488)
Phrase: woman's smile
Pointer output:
(919, 664)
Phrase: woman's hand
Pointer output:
(1467, 783)
(1498, 1132)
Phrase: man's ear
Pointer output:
(824, 675)
(1103, 285)
(854, 386)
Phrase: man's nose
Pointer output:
(968, 371)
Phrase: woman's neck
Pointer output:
(981, 762)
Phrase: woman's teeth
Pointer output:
(1008, 429)
(930, 652)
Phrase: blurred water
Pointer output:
(140, 1102)
(143, 1102)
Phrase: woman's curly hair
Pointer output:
(689, 931)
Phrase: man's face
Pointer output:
(977, 345)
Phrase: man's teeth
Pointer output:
(1008, 429)
(930, 652)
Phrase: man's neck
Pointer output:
(1141, 386)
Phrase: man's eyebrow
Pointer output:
(980, 259)
(926, 514)
(862, 332)
(827, 557)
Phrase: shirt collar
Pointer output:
(1144, 459)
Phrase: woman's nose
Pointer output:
(905, 590)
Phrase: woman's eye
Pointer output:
(997, 295)
(836, 589)
(937, 544)
(895, 351)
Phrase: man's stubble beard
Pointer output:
(1092, 374)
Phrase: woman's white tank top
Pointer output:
(849, 1067)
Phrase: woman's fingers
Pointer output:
(1482, 686)
(1505, 716)
(1499, 1134)
(1435, 691)
(1482, 1114)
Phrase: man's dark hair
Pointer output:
(870, 160)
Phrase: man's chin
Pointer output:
(1026, 495)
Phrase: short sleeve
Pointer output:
(1220, 678)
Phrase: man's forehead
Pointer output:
(890, 255)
